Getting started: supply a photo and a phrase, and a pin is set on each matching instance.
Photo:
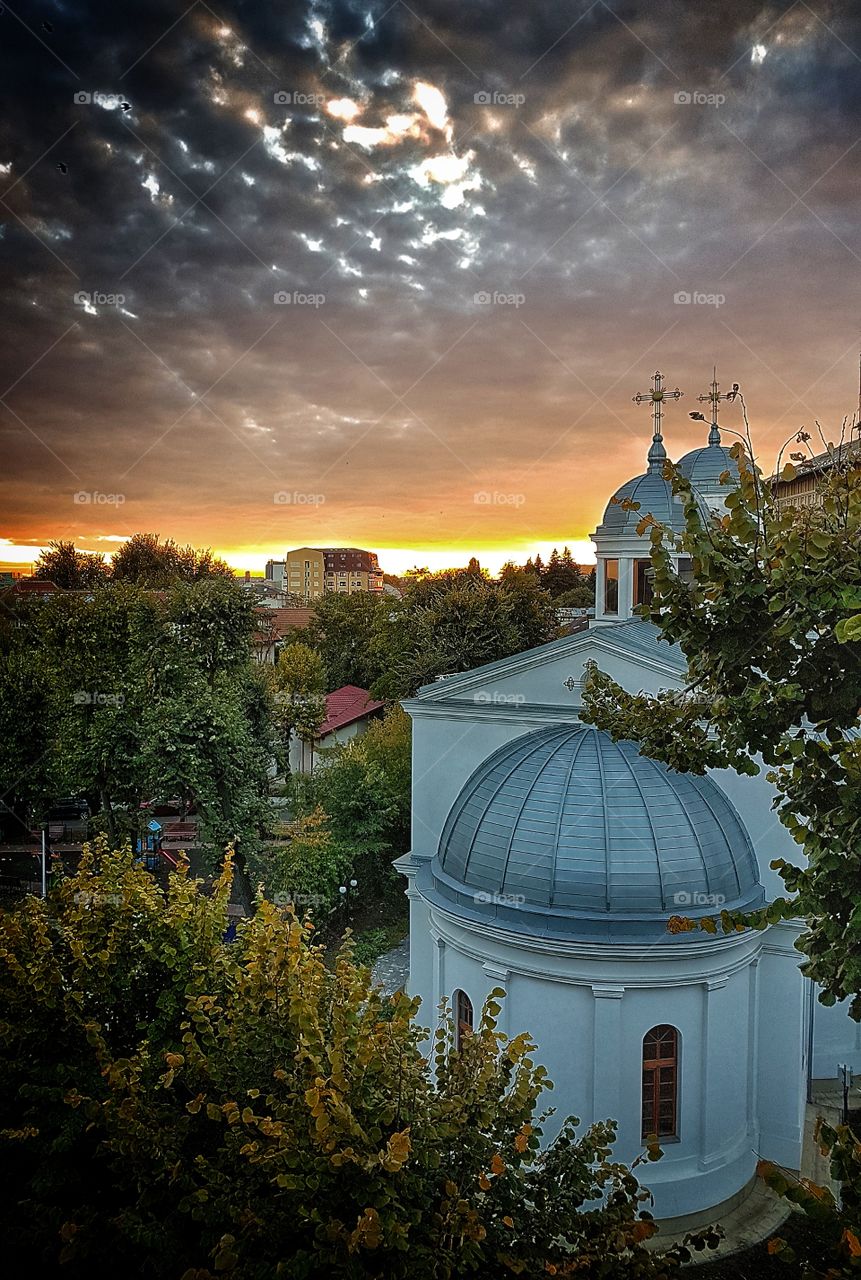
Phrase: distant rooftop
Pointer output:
(345, 706)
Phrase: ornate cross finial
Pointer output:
(656, 398)
(713, 397)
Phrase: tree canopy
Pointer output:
(126, 696)
(178, 1105)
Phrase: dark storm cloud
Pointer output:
(588, 190)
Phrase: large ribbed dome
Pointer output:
(566, 823)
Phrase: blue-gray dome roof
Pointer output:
(704, 468)
(655, 497)
(576, 833)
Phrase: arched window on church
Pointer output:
(463, 1017)
(660, 1082)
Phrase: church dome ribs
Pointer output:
(564, 826)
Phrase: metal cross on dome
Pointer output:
(713, 398)
(656, 398)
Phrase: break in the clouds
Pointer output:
(390, 273)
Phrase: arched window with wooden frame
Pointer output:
(463, 1017)
(661, 1082)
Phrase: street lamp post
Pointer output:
(348, 892)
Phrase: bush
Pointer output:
(178, 1106)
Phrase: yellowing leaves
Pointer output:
(484, 1181)
(497, 1164)
(368, 1232)
(397, 1151)
(853, 1244)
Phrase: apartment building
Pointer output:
(304, 572)
(309, 571)
(349, 569)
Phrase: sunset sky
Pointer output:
(480, 215)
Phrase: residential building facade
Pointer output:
(309, 571)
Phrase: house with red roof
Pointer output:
(349, 711)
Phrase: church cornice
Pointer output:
(600, 638)
(457, 932)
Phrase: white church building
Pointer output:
(547, 859)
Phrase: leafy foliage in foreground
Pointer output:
(179, 1106)
(760, 626)
(769, 627)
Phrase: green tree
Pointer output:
(134, 695)
(342, 631)
(69, 568)
(300, 700)
(364, 786)
(773, 672)
(148, 562)
(177, 1105)
(455, 621)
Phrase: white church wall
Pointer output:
(445, 752)
(752, 797)
(782, 1022)
(588, 1013)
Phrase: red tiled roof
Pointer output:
(40, 585)
(282, 620)
(345, 706)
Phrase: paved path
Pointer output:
(392, 969)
